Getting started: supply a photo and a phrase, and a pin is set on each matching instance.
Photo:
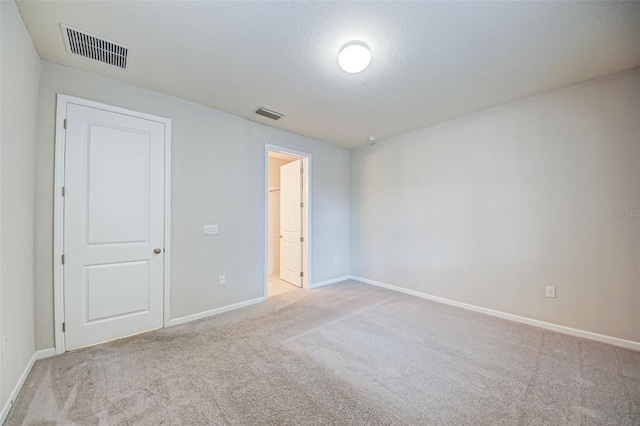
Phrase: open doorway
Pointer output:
(287, 219)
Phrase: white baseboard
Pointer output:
(45, 353)
(332, 281)
(205, 314)
(42, 354)
(629, 344)
(16, 390)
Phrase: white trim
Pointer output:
(616, 341)
(58, 225)
(45, 353)
(307, 165)
(332, 281)
(205, 314)
(2, 416)
(16, 390)
(167, 224)
(58, 209)
(42, 354)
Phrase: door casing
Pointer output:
(306, 214)
(58, 214)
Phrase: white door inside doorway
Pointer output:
(114, 204)
(291, 222)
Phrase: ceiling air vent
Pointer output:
(94, 47)
(269, 114)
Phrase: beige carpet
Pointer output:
(347, 354)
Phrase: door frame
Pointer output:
(58, 206)
(306, 213)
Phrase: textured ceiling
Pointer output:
(432, 61)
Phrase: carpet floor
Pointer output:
(346, 354)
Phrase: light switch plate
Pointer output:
(210, 229)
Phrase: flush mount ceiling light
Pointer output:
(354, 57)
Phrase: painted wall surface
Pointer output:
(20, 75)
(218, 173)
(490, 208)
(273, 225)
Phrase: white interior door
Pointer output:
(291, 222)
(113, 225)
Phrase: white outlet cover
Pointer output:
(210, 229)
(222, 279)
(550, 291)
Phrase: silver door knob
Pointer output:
(157, 251)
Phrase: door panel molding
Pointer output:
(59, 182)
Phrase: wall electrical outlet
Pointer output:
(222, 279)
(550, 291)
(210, 229)
(4, 346)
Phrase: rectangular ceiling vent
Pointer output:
(269, 114)
(94, 47)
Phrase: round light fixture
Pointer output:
(354, 57)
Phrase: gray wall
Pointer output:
(20, 70)
(218, 175)
(489, 208)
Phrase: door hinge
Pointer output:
(301, 274)
(302, 239)
(301, 204)
(301, 170)
(63, 259)
(63, 191)
(65, 123)
(64, 327)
